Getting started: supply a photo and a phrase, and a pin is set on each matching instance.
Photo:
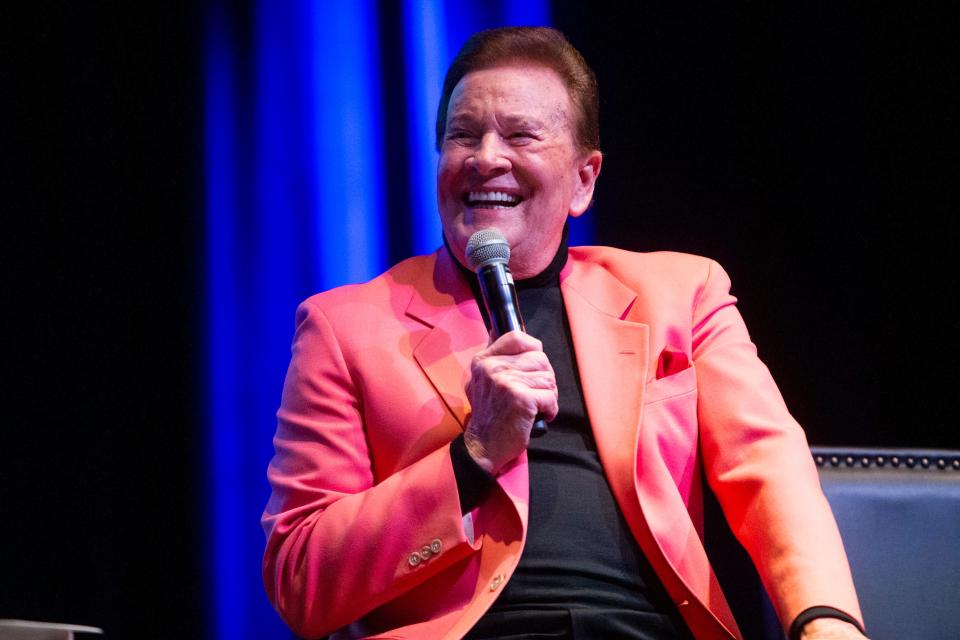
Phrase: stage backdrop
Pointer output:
(805, 146)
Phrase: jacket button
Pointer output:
(436, 546)
(414, 559)
(496, 582)
(425, 552)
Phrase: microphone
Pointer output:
(488, 253)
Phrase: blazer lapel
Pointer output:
(443, 301)
(611, 356)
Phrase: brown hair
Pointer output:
(539, 45)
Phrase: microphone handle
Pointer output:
(539, 427)
(503, 309)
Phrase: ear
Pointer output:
(587, 173)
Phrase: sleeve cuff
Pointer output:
(808, 615)
(473, 481)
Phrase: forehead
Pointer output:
(522, 90)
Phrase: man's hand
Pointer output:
(830, 629)
(511, 381)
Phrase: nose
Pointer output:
(489, 158)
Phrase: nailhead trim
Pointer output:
(867, 460)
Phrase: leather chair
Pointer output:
(898, 511)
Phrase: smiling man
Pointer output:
(409, 500)
(509, 160)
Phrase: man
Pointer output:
(409, 500)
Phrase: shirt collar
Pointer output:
(550, 276)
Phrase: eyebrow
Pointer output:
(509, 120)
(522, 122)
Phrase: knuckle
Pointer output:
(485, 366)
(504, 385)
(512, 341)
(546, 381)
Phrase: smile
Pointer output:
(492, 199)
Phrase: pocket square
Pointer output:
(671, 361)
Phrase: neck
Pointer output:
(547, 275)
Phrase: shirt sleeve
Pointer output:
(473, 481)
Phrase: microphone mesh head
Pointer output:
(486, 247)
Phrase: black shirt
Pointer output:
(581, 574)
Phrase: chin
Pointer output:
(509, 221)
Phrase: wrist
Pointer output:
(479, 453)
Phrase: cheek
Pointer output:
(447, 191)
(446, 173)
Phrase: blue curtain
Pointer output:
(319, 171)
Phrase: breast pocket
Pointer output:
(678, 384)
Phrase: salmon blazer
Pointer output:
(364, 532)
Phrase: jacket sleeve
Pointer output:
(758, 463)
(341, 542)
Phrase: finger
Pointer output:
(533, 379)
(538, 394)
(528, 361)
(513, 343)
(548, 405)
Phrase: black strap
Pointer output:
(808, 615)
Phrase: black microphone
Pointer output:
(488, 253)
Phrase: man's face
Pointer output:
(508, 160)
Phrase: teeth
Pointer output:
(493, 196)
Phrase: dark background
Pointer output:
(805, 148)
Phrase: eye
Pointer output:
(522, 137)
(459, 135)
